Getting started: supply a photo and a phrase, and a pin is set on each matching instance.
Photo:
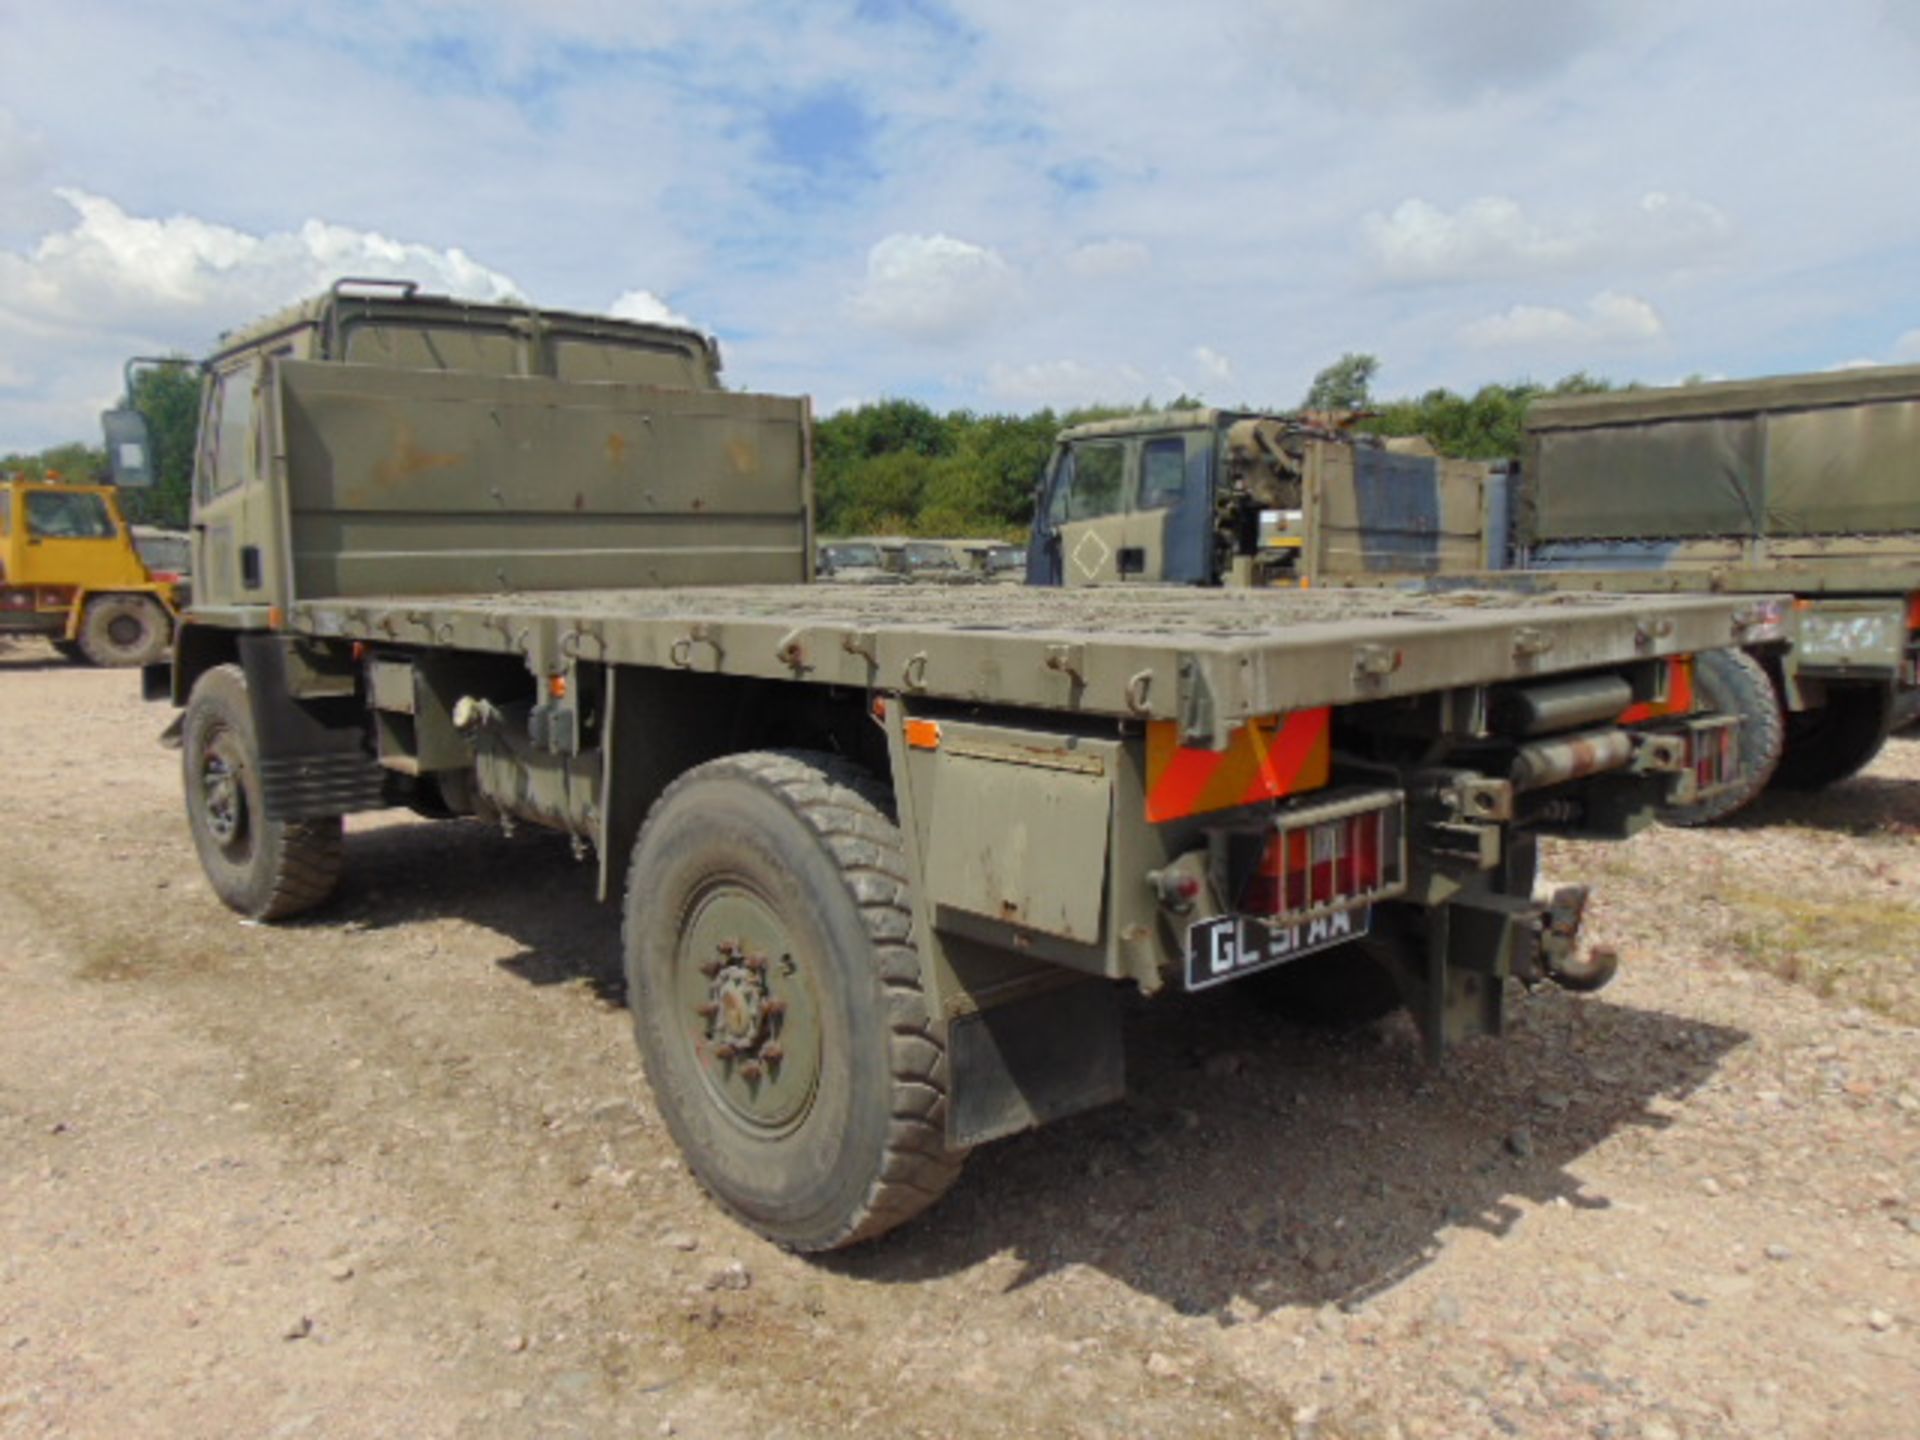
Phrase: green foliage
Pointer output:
(1347, 384)
(169, 396)
(898, 468)
(1488, 425)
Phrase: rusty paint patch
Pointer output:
(616, 448)
(406, 460)
(744, 458)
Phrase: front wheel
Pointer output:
(265, 869)
(124, 630)
(778, 999)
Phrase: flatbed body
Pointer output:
(1137, 652)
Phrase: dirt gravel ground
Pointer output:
(393, 1171)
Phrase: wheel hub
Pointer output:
(752, 1018)
(743, 1018)
(224, 800)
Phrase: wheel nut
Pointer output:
(772, 1053)
(750, 1070)
(706, 1009)
(709, 968)
(756, 963)
(774, 1009)
(723, 1051)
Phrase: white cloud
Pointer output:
(932, 287)
(1108, 259)
(1609, 318)
(140, 269)
(111, 284)
(1495, 236)
(646, 306)
(1215, 368)
(1065, 384)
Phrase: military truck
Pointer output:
(69, 572)
(884, 869)
(1746, 474)
(1804, 483)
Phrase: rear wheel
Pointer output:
(124, 630)
(1734, 683)
(778, 1001)
(265, 869)
(1827, 745)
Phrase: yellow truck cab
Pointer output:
(69, 571)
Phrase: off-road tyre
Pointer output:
(122, 630)
(1838, 740)
(70, 650)
(265, 869)
(800, 847)
(1734, 683)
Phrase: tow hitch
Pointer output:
(1560, 944)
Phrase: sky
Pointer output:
(990, 204)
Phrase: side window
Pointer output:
(53, 516)
(1057, 492)
(1163, 473)
(231, 417)
(1095, 487)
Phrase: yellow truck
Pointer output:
(69, 572)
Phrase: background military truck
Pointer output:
(1264, 500)
(884, 869)
(69, 571)
(1803, 483)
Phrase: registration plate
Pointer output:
(1235, 945)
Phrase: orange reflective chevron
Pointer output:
(1679, 699)
(1265, 759)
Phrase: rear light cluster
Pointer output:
(1716, 753)
(28, 598)
(1330, 856)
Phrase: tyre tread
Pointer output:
(851, 813)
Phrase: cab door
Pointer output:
(72, 541)
(1083, 527)
(236, 520)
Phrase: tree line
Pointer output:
(897, 466)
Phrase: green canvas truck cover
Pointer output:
(1796, 455)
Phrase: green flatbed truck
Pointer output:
(886, 855)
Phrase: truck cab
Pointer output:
(69, 572)
(1226, 497)
(247, 548)
(1130, 499)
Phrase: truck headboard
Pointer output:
(402, 481)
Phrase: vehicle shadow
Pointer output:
(527, 886)
(20, 659)
(1258, 1166)
(1254, 1161)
